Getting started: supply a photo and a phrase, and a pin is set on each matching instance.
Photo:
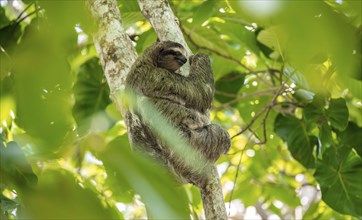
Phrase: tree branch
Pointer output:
(214, 51)
(114, 47)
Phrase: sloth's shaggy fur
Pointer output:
(183, 101)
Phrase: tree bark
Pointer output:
(117, 56)
(114, 48)
(212, 197)
(113, 45)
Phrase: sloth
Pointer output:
(184, 101)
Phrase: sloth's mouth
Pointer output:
(181, 60)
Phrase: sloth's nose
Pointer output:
(182, 59)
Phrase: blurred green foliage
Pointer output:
(288, 82)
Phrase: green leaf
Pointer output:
(283, 194)
(205, 11)
(91, 94)
(42, 81)
(130, 12)
(297, 78)
(228, 85)
(247, 191)
(64, 15)
(15, 168)
(352, 137)
(59, 196)
(315, 112)
(321, 211)
(8, 205)
(148, 179)
(244, 38)
(207, 38)
(304, 96)
(339, 175)
(145, 40)
(3, 18)
(325, 135)
(337, 113)
(294, 132)
(274, 38)
(9, 35)
(194, 195)
(221, 66)
(353, 85)
(321, 30)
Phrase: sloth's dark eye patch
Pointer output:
(171, 52)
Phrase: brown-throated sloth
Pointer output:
(183, 101)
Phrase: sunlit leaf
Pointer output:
(274, 38)
(130, 12)
(58, 195)
(42, 81)
(249, 193)
(145, 40)
(285, 195)
(15, 169)
(321, 30)
(207, 38)
(3, 19)
(65, 15)
(246, 39)
(204, 11)
(8, 205)
(147, 179)
(296, 77)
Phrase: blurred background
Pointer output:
(288, 87)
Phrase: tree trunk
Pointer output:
(212, 197)
(113, 45)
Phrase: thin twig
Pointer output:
(238, 98)
(213, 51)
(26, 8)
(237, 172)
(28, 15)
(269, 107)
(257, 115)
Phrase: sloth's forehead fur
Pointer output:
(166, 45)
(152, 52)
(170, 44)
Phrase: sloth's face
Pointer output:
(171, 58)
